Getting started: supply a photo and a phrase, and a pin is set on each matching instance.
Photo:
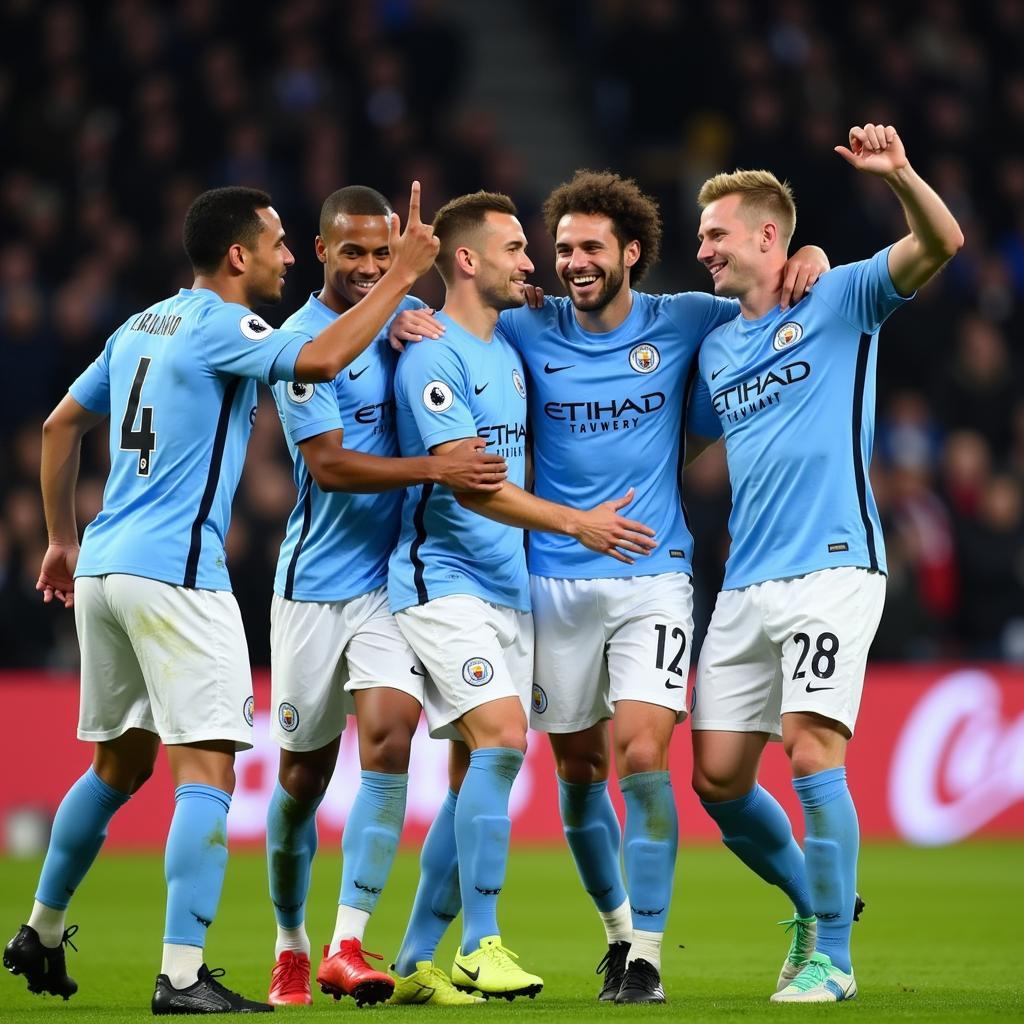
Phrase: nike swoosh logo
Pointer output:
(480, 390)
(416, 672)
(472, 975)
(352, 375)
(719, 370)
(548, 368)
(816, 689)
(424, 994)
(669, 685)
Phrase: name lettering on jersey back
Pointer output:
(508, 439)
(597, 417)
(156, 323)
(738, 401)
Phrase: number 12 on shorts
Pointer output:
(663, 642)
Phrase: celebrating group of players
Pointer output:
(404, 583)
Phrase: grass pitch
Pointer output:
(940, 940)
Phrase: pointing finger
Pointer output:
(414, 203)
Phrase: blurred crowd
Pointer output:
(115, 116)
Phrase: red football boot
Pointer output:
(289, 980)
(348, 974)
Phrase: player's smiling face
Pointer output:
(590, 260)
(268, 262)
(355, 255)
(729, 246)
(503, 263)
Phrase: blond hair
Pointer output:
(762, 195)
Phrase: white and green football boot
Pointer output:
(818, 982)
(801, 946)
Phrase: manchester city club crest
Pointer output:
(517, 380)
(539, 700)
(788, 334)
(477, 671)
(288, 717)
(247, 709)
(644, 358)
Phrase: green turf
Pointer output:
(940, 940)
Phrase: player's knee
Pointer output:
(808, 757)
(582, 768)
(512, 736)
(141, 778)
(641, 754)
(714, 788)
(387, 752)
(304, 782)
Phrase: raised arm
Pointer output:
(600, 529)
(58, 474)
(345, 339)
(935, 237)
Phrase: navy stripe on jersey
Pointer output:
(691, 376)
(307, 518)
(414, 550)
(858, 455)
(192, 563)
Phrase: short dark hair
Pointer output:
(353, 201)
(633, 214)
(461, 216)
(218, 219)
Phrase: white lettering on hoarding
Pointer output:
(958, 763)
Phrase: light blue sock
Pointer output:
(649, 851)
(79, 828)
(482, 828)
(291, 844)
(594, 837)
(831, 846)
(194, 862)
(758, 831)
(371, 838)
(438, 899)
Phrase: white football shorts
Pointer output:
(171, 660)
(602, 641)
(798, 644)
(474, 652)
(320, 652)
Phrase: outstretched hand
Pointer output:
(416, 248)
(874, 148)
(57, 574)
(603, 530)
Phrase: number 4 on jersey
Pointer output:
(142, 440)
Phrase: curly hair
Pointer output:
(634, 215)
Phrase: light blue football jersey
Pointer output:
(794, 394)
(606, 414)
(459, 386)
(337, 545)
(179, 384)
